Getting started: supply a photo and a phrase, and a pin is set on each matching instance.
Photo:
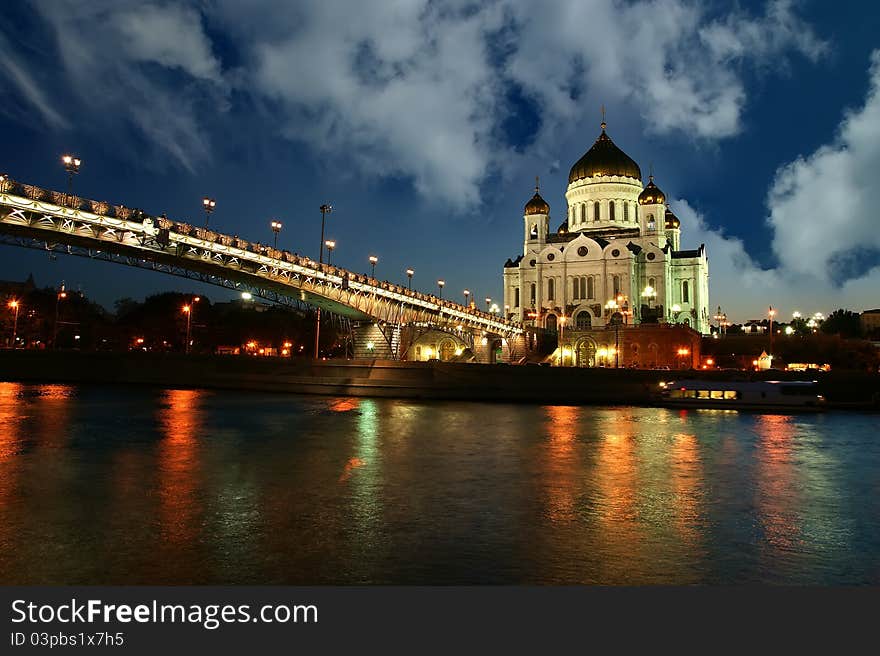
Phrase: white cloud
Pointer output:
(822, 217)
(18, 77)
(120, 57)
(823, 206)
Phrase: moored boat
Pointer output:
(743, 395)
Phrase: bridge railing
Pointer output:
(193, 236)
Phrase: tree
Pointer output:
(842, 322)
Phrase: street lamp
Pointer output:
(330, 244)
(467, 295)
(440, 284)
(209, 204)
(13, 304)
(276, 228)
(188, 311)
(613, 306)
(409, 274)
(60, 296)
(326, 208)
(488, 303)
(682, 352)
(373, 259)
(71, 165)
(771, 313)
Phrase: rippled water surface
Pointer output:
(136, 485)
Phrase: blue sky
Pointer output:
(424, 124)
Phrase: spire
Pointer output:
(651, 169)
(604, 125)
(537, 184)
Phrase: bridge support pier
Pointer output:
(372, 341)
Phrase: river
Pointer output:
(137, 485)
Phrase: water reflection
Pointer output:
(687, 486)
(181, 424)
(560, 468)
(777, 490)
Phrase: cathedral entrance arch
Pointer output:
(585, 353)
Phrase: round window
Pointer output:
(582, 251)
(532, 263)
(650, 256)
(615, 253)
(551, 257)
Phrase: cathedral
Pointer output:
(616, 261)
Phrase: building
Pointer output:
(616, 260)
(870, 323)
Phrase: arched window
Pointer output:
(551, 289)
(650, 222)
(533, 293)
(652, 284)
(685, 292)
(595, 211)
(550, 323)
(590, 290)
(626, 211)
(583, 213)
(611, 211)
(575, 289)
(583, 320)
(533, 233)
(615, 283)
(586, 287)
(516, 297)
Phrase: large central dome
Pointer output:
(604, 158)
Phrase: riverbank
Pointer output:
(391, 379)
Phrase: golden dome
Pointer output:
(537, 205)
(672, 222)
(604, 158)
(651, 195)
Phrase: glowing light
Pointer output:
(246, 296)
(370, 346)
(789, 330)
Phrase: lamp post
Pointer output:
(488, 303)
(13, 304)
(330, 244)
(771, 313)
(612, 306)
(409, 274)
(373, 260)
(209, 204)
(440, 284)
(719, 317)
(71, 165)
(467, 295)
(60, 296)
(562, 340)
(276, 228)
(188, 311)
(326, 208)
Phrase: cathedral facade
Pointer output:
(616, 260)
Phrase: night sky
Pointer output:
(424, 124)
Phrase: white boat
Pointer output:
(743, 395)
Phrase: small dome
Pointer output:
(672, 222)
(537, 205)
(604, 158)
(651, 195)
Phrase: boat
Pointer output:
(743, 395)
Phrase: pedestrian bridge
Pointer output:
(56, 222)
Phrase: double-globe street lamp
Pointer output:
(373, 260)
(409, 274)
(71, 165)
(209, 204)
(276, 228)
